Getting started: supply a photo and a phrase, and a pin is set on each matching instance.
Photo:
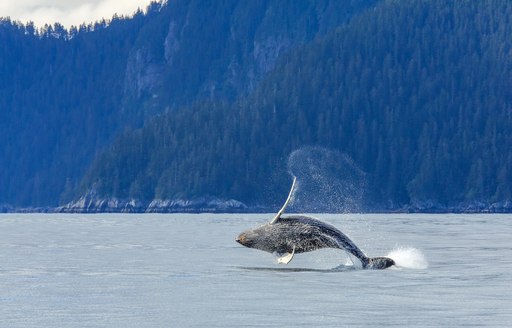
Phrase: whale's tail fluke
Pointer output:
(377, 263)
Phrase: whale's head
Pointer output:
(258, 238)
(380, 263)
(249, 238)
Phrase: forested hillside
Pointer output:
(65, 94)
(417, 93)
(59, 101)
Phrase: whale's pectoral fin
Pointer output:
(286, 258)
(281, 211)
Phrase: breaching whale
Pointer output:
(290, 235)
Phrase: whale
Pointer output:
(286, 236)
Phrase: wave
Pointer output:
(409, 257)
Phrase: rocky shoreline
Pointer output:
(87, 204)
(92, 204)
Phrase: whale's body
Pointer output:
(300, 234)
(288, 235)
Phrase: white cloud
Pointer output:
(67, 12)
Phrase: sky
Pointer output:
(67, 12)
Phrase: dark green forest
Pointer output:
(64, 95)
(59, 102)
(416, 94)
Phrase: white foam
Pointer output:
(408, 257)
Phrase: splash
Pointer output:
(410, 258)
(328, 181)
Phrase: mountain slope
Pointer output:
(417, 93)
(65, 94)
(57, 99)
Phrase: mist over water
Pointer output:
(328, 181)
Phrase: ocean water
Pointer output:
(179, 270)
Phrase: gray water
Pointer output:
(187, 271)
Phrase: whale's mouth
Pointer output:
(245, 240)
(241, 239)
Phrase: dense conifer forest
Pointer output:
(198, 99)
(65, 94)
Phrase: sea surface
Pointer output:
(150, 270)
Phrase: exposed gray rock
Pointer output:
(142, 73)
(171, 43)
(92, 203)
(197, 205)
(267, 51)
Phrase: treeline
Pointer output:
(417, 93)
